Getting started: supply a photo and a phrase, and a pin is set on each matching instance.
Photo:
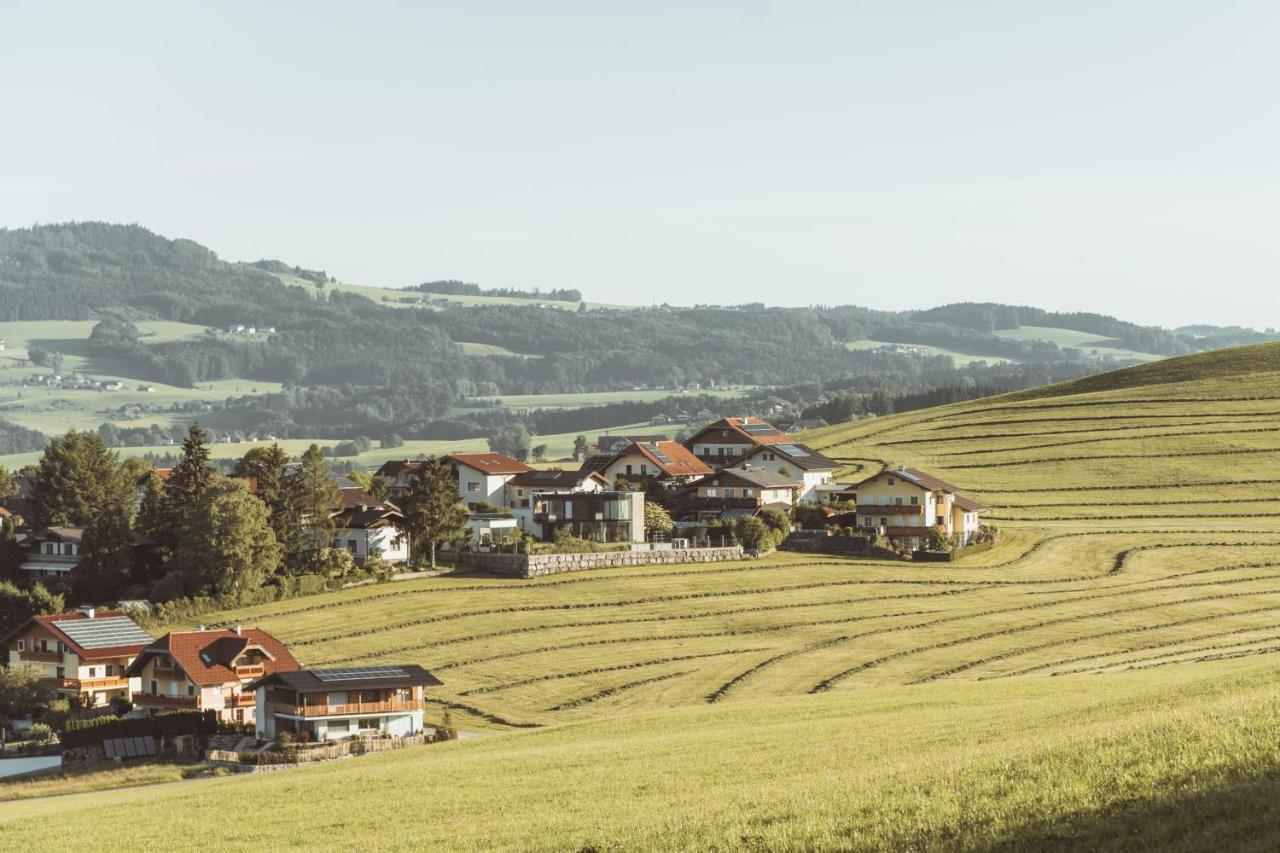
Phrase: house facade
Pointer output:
(208, 670)
(802, 465)
(667, 462)
(524, 489)
(906, 503)
(483, 477)
(372, 532)
(600, 516)
(53, 553)
(331, 704)
(84, 655)
(727, 440)
(398, 475)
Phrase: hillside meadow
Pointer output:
(1104, 678)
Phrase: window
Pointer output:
(93, 672)
(628, 470)
(473, 487)
(915, 501)
(644, 469)
(892, 481)
(711, 493)
(154, 690)
(884, 522)
(22, 645)
(868, 523)
(111, 670)
(728, 493)
(191, 688)
(62, 672)
(746, 493)
(897, 501)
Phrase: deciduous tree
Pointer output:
(229, 549)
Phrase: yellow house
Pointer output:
(906, 502)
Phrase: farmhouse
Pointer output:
(55, 551)
(904, 503)
(611, 444)
(727, 440)
(666, 462)
(734, 492)
(83, 655)
(399, 474)
(330, 704)
(371, 531)
(804, 466)
(208, 671)
(484, 477)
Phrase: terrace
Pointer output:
(150, 700)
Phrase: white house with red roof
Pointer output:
(485, 476)
(208, 671)
(85, 654)
(727, 440)
(804, 466)
(667, 462)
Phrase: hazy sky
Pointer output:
(1116, 157)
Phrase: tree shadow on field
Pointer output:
(1241, 814)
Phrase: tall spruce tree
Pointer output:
(268, 468)
(184, 489)
(433, 512)
(315, 495)
(228, 550)
(107, 558)
(77, 476)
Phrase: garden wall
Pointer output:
(951, 556)
(536, 565)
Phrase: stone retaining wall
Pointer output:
(536, 565)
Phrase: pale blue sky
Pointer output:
(1115, 157)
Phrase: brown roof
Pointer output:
(491, 463)
(163, 473)
(759, 477)
(368, 515)
(205, 655)
(794, 453)
(51, 623)
(556, 480)
(968, 504)
(395, 466)
(914, 475)
(596, 464)
(744, 431)
(384, 676)
(671, 457)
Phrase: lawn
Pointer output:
(394, 297)
(600, 398)
(960, 359)
(1085, 341)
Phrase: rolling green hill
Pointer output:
(1102, 679)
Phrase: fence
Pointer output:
(534, 565)
(294, 755)
(93, 733)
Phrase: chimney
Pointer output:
(237, 630)
(199, 627)
(87, 611)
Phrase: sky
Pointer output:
(1098, 156)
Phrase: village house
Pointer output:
(398, 475)
(84, 655)
(667, 462)
(804, 466)
(732, 493)
(727, 440)
(330, 704)
(611, 444)
(600, 516)
(55, 552)
(524, 488)
(484, 477)
(208, 670)
(904, 503)
(371, 531)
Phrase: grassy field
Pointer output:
(1102, 679)
(1089, 343)
(601, 398)
(394, 297)
(958, 358)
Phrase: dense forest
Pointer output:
(354, 366)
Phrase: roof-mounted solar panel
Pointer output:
(357, 673)
(104, 632)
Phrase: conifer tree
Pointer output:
(433, 511)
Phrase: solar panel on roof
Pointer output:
(357, 673)
(101, 633)
(793, 450)
(657, 454)
(759, 429)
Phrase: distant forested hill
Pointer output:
(351, 365)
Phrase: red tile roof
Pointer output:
(50, 623)
(744, 431)
(491, 463)
(679, 460)
(205, 655)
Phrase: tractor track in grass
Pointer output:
(1154, 416)
(615, 641)
(597, 670)
(934, 440)
(482, 714)
(1044, 490)
(720, 692)
(621, 688)
(990, 450)
(1132, 650)
(1187, 502)
(1056, 459)
(831, 681)
(1243, 653)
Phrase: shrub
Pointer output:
(40, 732)
(284, 738)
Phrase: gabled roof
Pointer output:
(794, 453)
(371, 677)
(490, 463)
(914, 475)
(205, 655)
(758, 477)
(108, 634)
(66, 534)
(348, 498)
(368, 515)
(556, 480)
(393, 467)
(744, 430)
(967, 504)
(671, 457)
(163, 473)
(596, 463)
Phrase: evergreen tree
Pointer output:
(151, 517)
(433, 512)
(268, 468)
(228, 551)
(77, 476)
(106, 560)
(316, 497)
(184, 489)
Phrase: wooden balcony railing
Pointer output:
(240, 700)
(887, 510)
(155, 701)
(255, 671)
(38, 655)
(171, 673)
(349, 710)
(86, 684)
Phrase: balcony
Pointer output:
(240, 700)
(886, 510)
(87, 685)
(350, 710)
(171, 673)
(148, 700)
(42, 657)
(255, 671)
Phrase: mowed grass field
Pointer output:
(1102, 679)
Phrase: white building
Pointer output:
(372, 531)
(484, 477)
(523, 491)
(332, 704)
(804, 466)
